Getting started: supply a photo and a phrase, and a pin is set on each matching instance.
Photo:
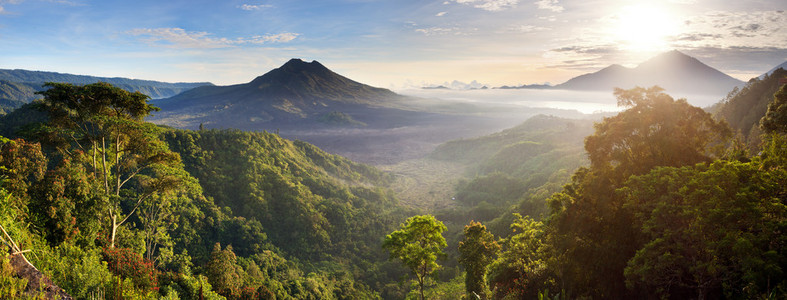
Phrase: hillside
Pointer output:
(674, 71)
(297, 94)
(272, 214)
(19, 85)
(744, 108)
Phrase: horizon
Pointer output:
(392, 45)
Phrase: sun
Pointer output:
(643, 27)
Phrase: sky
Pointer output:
(394, 44)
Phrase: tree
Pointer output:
(476, 251)
(655, 130)
(21, 164)
(106, 123)
(223, 272)
(775, 119)
(589, 219)
(417, 244)
(711, 230)
(521, 270)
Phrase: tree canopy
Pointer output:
(418, 243)
(655, 130)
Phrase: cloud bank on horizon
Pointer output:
(386, 43)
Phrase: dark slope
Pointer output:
(674, 71)
(744, 108)
(296, 95)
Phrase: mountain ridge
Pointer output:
(34, 80)
(673, 70)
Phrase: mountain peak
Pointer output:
(297, 64)
(670, 58)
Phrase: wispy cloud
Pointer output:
(490, 5)
(3, 4)
(442, 13)
(180, 38)
(732, 29)
(526, 28)
(438, 31)
(250, 7)
(68, 2)
(552, 5)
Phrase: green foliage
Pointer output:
(521, 270)
(476, 252)
(656, 130)
(65, 202)
(588, 218)
(711, 230)
(775, 119)
(11, 287)
(104, 122)
(14, 123)
(105, 165)
(450, 290)
(13, 95)
(21, 163)
(223, 272)
(310, 203)
(81, 272)
(418, 243)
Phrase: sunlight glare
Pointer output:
(643, 27)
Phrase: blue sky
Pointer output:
(393, 44)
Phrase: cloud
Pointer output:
(552, 5)
(3, 5)
(526, 28)
(696, 37)
(250, 7)
(438, 31)
(490, 5)
(67, 2)
(442, 13)
(180, 38)
(720, 29)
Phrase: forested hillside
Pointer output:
(662, 203)
(514, 170)
(743, 108)
(667, 208)
(150, 212)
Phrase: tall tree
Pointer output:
(477, 251)
(106, 123)
(589, 219)
(655, 130)
(418, 243)
(775, 119)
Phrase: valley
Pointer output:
(293, 186)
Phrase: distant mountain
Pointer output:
(296, 94)
(782, 66)
(19, 85)
(674, 71)
(526, 86)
